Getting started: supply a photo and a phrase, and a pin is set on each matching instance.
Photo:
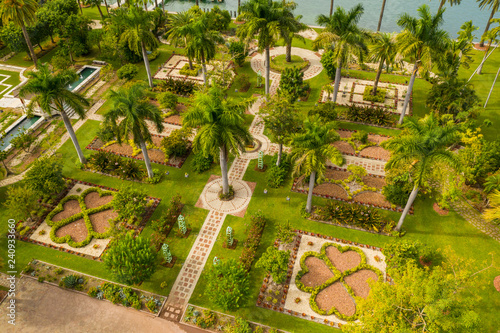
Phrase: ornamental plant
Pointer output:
(167, 256)
(130, 203)
(227, 285)
(45, 176)
(275, 262)
(229, 235)
(182, 224)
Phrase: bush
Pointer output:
(398, 188)
(60, 61)
(178, 87)
(105, 132)
(240, 325)
(190, 72)
(169, 218)
(107, 72)
(201, 163)
(238, 51)
(22, 202)
(360, 136)
(127, 72)
(277, 175)
(218, 19)
(370, 115)
(326, 112)
(399, 254)
(254, 234)
(328, 62)
(129, 203)
(378, 98)
(72, 281)
(292, 84)
(45, 176)
(242, 82)
(168, 100)
(227, 284)
(176, 144)
(275, 262)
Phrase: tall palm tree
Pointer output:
(311, 149)
(129, 115)
(494, 5)
(137, 33)
(180, 31)
(421, 148)
(95, 3)
(262, 18)
(51, 93)
(202, 44)
(381, 16)
(492, 36)
(384, 50)
(493, 213)
(331, 8)
(22, 13)
(290, 26)
(452, 3)
(220, 127)
(421, 40)
(343, 35)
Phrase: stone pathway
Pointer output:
(309, 34)
(474, 218)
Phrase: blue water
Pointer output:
(21, 127)
(310, 9)
(85, 73)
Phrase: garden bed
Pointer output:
(95, 287)
(349, 145)
(156, 155)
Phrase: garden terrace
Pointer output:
(350, 145)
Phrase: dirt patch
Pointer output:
(439, 210)
(378, 139)
(359, 282)
(336, 296)
(372, 198)
(496, 283)
(343, 261)
(344, 147)
(70, 208)
(344, 134)
(77, 230)
(330, 189)
(318, 273)
(375, 152)
(100, 221)
(337, 174)
(93, 200)
(174, 119)
(376, 182)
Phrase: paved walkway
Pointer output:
(474, 218)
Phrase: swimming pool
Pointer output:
(21, 125)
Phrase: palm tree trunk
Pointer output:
(118, 3)
(197, 3)
(223, 169)
(409, 203)
(80, 5)
(338, 74)
(100, 12)
(106, 5)
(239, 7)
(441, 4)
(280, 152)
(72, 135)
(488, 24)
(289, 51)
(7, 171)
(268, 65)
(52, 39)
(146, 63)
(156, 3)
(204, 70)
(312, 180)
(144, 150)
(331, 8)
(381, 16)
(30, 46)
(480, 69)
(408, 93)
(377, 78)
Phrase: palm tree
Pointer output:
(494, 5)
(129, 115)
(22, 13)
(202, 44)
(137, 33)
(421, 148)
(452, 2)
(493, 213)
(381, 16)
(220, 127)
(331, 8)
(329, 90)
(311, 149)
(290, 26)
(180, 30)
(343, 35)
(421, 40)
(384, 50)
(262, 18)
(492, 37)
(95, 3)
(51, 93)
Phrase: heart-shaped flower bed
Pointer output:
(336, 277)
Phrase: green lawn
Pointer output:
(93, 12)
(13, 79)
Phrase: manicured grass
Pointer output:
(13, 79)
(426, 226)
(279, 62)
(93, 12)
(305, 44)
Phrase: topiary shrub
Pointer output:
(168, 100)
(201, 163)
(127, 72)
(328, 62)
(378, 98)
(129, 203)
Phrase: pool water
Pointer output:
(19, 128)
(85, 73)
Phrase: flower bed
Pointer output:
(94, 287)
(350, 144)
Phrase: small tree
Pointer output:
(45, 176)
(238, 52)
(328, 61)
(3, 157)
(23, 141)
(131, 260)
(22, 202)
(227, 284)
(275, 262)
(292, 84)
(129, 203)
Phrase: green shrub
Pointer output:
(326, 111)
(71, 281)
(105, 133)
(201, 163)
(238, 52)
(127, 72)
(129, 203)
(242, 82)
(292, 84)
(227, 284)
(152, 305)
(370, 115)
(240, 325)
(45, 176)
(178, 87)
(328, 61)
(360, 136)
(168, 100)
(254, 234)
(107, 72)
(176, 144)
(60, 61)
(92, 292)
(378, 98)
(277, 175)
(275, 262)
(190, 72)
(218, 19)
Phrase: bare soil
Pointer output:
(372, 198)
(344, 147)
(318, 273)
(77, 230)
(376, 182)
(439, 210)
(336, 296)
(331, 190)
(378, 139)
(100, 221)
(71, 208)
(343, 261)
(358, 281)
(93, 200)
(336, 174)
(375, 152)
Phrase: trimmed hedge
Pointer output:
(254, 234)
(378, 98)
(190, 72)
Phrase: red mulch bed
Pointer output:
(496, 283)
(177, 118)
(77, 230)
(318, 273)
(439, 210)
(343, 261)
(71, 208)
(344, 133)
(372, 181)
(376, 153)
(358, 281)
(330, 189)
(93, 200)
(372, 198)
(336, 174)
(344, 147)
(100, 221)
(378, 139)
(336, 296)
